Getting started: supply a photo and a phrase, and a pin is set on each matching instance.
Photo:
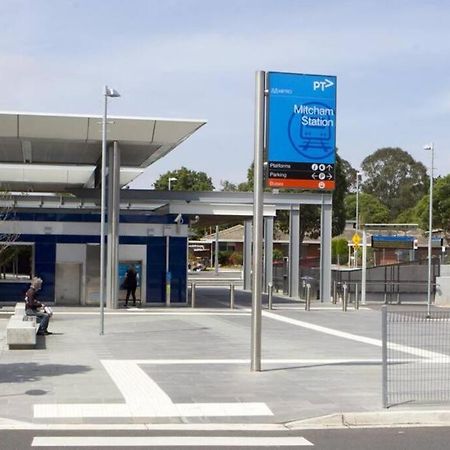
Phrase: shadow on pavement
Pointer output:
(25, 372)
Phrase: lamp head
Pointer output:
(428, 147)
(110, 92)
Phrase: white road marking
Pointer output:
(6, 424)
(168, 441)
(144, 398)
(354, 337)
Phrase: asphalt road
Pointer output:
(344, 439)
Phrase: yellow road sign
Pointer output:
(356, 239)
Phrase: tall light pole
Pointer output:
(358, 174)
(108, 92)
(357, 218)
(430, 228)
(170, 182)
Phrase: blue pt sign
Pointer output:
(301, 131)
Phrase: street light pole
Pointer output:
(108, 92)
(430, 228)
(357, 200)
(357, 217)
(170, 182)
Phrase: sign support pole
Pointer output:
(257, 222)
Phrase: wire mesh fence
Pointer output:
(416, 357)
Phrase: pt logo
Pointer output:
(322, 85)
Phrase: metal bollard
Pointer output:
(334, 292)
(356, 296)
(270, 294)
(308, 297)
(344, 297)
(232, 296)
(193, 295)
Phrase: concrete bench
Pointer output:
(21, 329)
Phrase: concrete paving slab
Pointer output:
(318, 363)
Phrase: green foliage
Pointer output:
(349, 173)
(224, 257)
(441, 206)
(236, 258)
(371, 210)
(441, 203)
(395, 178)
(227, 186)
(245, 186)
(339, 250)
(277, 254)
(186, 180)
(339, 195)
(408, 215)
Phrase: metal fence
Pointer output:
(416, 357)
(394, 283)
(309, 273)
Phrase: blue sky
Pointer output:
(197, 59)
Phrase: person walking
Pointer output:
(130, 284)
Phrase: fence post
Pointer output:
(384, 355)
(308, 297)
(269, 294)
(344, 297)
(231, 296)
(193, 295)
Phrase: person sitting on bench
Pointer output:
(32, 307)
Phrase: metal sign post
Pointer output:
(258, 222)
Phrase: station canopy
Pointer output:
(50, 152)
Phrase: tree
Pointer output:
(371, 210)
(339, 250)
(408, 215)
(339, 193)
(245, 186)
(228, 186)
(186, 180)
(441, 206)
(395, 178)
(350, 174)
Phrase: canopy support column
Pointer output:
(247, 256)
(294, 250)
(325, 251)
(112, 264)
(268, 252)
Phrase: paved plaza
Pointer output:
(181, 365)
